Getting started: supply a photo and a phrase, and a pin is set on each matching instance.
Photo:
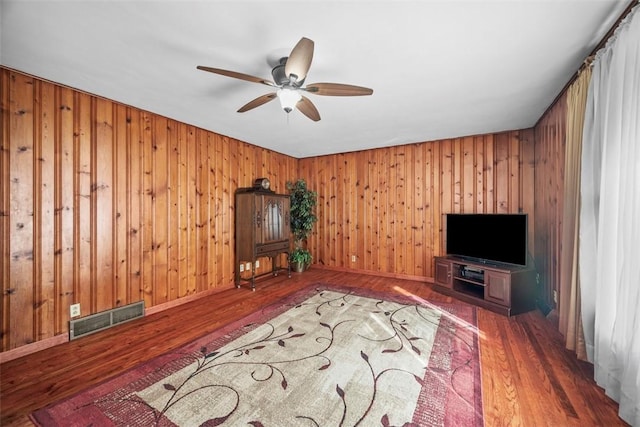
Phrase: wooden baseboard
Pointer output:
(167, 305)
(44, 344)
(376, 273)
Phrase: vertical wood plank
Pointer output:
(192, 211)
(490, 173)
(363, 203)
(324, 215)
(324, 180)
(46, 211)
(6, 88)
(148, 279)
(468, 182)
(515, 172)
(65, 182)
(135, 184)
(216, 178)
(341, 203)
(213, 200)
(102, 209)
(120, 168)
(209, 200)
(335, 208)
(434, 224)
(401, 236)
(480, 172)
(447, 182)
(202, 220)
(381, 209)
(432, 235)
(388, 226)
(415, 193)
(182, 190)
(173, 207)
(160, 209)
(318, 178)
(225, 189)
(502, 170)
(22, 229)
(352, 185)
(374, 212)
(83, 118)
(456, 174)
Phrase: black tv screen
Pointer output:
(500, 238)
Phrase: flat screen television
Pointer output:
(488, 238)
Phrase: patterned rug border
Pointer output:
(234, 329)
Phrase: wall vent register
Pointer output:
(104, 320)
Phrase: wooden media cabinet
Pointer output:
(503, 289)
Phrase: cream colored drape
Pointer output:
(569, 291)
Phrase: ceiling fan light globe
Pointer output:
(288, 98)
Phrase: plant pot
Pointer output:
(299, 267)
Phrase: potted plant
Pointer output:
(300, 259)
(302, 217)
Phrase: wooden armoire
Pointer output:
(262, 230)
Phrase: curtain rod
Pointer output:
(590, 57)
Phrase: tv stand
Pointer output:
(504, 289)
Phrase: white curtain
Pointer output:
(610, 218)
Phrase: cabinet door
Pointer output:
(273, 221)
(245, 218)
(443, 273)
(498, 287)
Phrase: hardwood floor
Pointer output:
(528, 378)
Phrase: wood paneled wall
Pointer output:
(550, 135)
(104, 205)
(385, 207)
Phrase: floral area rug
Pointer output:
(324, 356)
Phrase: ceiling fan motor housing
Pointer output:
(279, 76)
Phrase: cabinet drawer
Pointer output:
(273, 247)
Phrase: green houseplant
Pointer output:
(302, 217)
(300, 259)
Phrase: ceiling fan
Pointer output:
(288, 77)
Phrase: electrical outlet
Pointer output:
(74, 310)
(555, 296)
(241, 268)
(353, 258)
(257, 264)
(248, 266)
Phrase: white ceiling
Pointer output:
(439, 69)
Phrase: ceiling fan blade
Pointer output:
(257, 102)
(299, 60)
(236, 75)
(307, 108)
(337, 89)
